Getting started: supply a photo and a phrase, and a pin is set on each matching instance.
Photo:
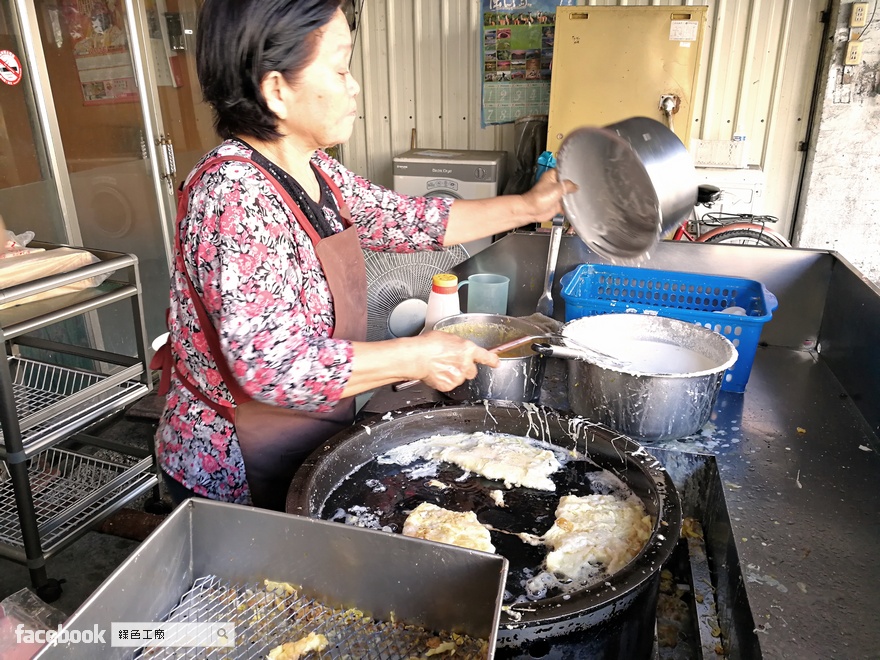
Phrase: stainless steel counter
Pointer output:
(797, 455)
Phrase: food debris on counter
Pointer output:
(691, 529)
(864, 448)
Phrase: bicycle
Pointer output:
(729, 228)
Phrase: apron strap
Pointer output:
(212, 339)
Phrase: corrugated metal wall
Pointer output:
(419, 66)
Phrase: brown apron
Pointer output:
(275, 441)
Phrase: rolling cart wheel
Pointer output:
(51, 591)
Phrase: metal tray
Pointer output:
(206, 545)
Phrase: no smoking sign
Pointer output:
(10, 67)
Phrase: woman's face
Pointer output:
(323, 108)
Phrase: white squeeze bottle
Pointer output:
(443, 300)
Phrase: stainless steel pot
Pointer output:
(660, 382)
(636, 182)
(520, 372)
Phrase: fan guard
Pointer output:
(398, 285)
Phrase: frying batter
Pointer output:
(508, 458)
(429, 521)
(596, 534)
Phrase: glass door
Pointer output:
(183, 124)
(29, 197)
(93, 69)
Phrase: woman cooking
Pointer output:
(268, 298)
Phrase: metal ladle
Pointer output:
(545, 302)
(545, 349)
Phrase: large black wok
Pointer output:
(614, 619)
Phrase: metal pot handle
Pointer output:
(551, 350)
(584, 354)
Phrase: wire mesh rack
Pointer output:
(69, 490)
(51, 398)
(266, 617)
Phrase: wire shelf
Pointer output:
(266, 619)
(52, 400)
(69, 491)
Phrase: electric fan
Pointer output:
(398, 285)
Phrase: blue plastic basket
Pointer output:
(592, 289)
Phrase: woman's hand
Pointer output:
(472, 219)
(544, 200)
(439, 359)
(444, 361)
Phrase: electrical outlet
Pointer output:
(859, 15)
(853, 53)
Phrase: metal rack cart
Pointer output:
(50, 392)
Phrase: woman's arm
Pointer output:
(439, 359)
(388, 220)
(252, 276)
(470, 219)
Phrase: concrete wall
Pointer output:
(841, 201)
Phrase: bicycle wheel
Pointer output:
(748, 236)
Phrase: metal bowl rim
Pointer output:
(710, 335)
(570, 201)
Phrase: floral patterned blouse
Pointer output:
(262, 284)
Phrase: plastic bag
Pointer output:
(24, 608)
(16, 244)
(531, 140)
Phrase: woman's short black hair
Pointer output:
(239, 42)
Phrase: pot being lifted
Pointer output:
(636, 181)
(647, 377)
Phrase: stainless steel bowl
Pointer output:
(636, 182)
(520, 372)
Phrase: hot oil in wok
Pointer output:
(389, 494)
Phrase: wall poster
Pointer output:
(517, 49)
(100, 47)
